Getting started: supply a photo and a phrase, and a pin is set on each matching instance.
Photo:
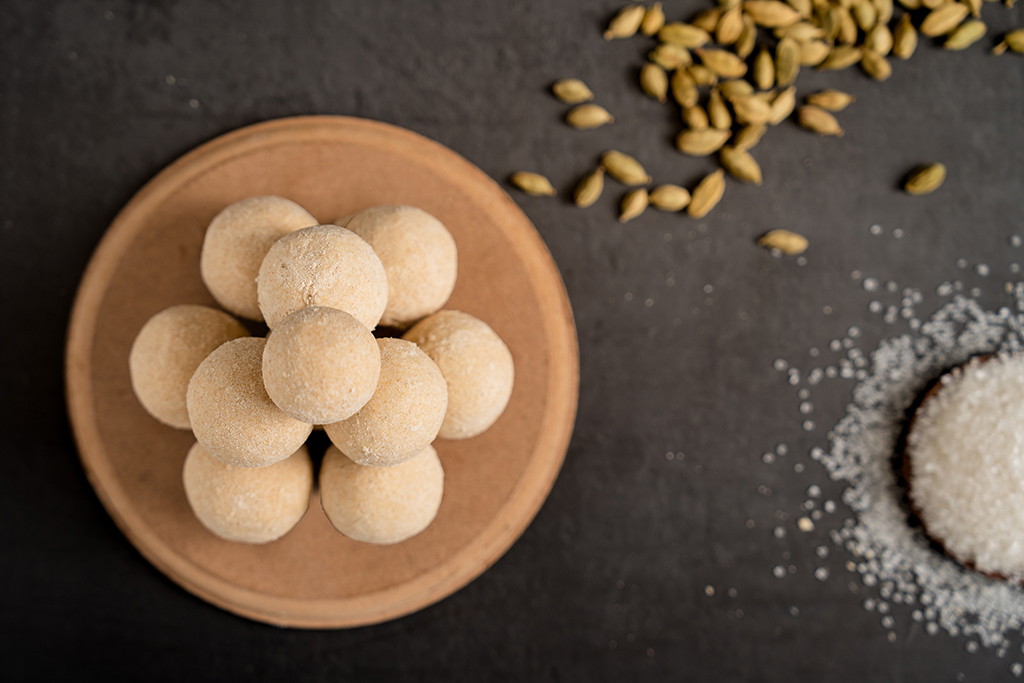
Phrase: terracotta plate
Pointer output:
(494, 484)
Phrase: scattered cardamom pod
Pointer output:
(831, 100)
(654, 81)
(669, 56)
(804, 7)
(633, 204)
(533, 184)
(904, 38)
(814, 52)
(740, 164)
(751, 109)
(654, 19)
(925, 179)
(884, 8)
(695, 117)
(572, 91)
(700, 143)
(820, 121)
(707, 194)
(707, 20)
(879, 40)
(876, 66)
(787, 61)
(702, 75)
(748, 38)
(684, 35)
(718, 113)
(749, 136)
(801, 31)
(1015, 40)
(730, 25)
(789, 243)
(975, 6)
(764, 69)
(842, 56)
(847, 27)
(771, 13)
(944, 19)
(725, 64)
(735, 88)
(624, 168)
(999, 48)
(783, 105)
(865, 14)
(589, 189)
(669, 197)
(966, 34)
(626, 23)
(588, 116)
(684, 90)
(831, 22)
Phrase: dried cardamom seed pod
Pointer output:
(865, 14)
(925, 179)
(789, 243)
(911, 4)
(842, 56)
(735, 88)
(966, 34)
(669, 197)
(876, 66)
(695, 117)
(904, 38)
(749, 136)
(684, 35)
(847, 27)
(707, 194)
(831, 100)
(670, 57)
(624, 168)
(588, 116)
(654, 19)
(975, 7)
(740, 164)
(700, 143)
(933, 4)
(1015, 40)
(633, 204)
(572, 91)
(800, 31)
(533, 184)
(787, 61)
(820, 121)
(814, 52)
(654, 81)
(751, 109)
(831, 23)
(725, 64)
(702, 75)
(783, 105)
(748, 38)
(764, 69)
(771, 13)
(718, 113)
(707, 20)
(589, 189)
(804, 7)
(884, 8)
(1000, 48)
(684, 90)
(730, 25)
(626, 23)
(941, 21)
(727, 5)
(879, 40)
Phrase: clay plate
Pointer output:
(494, 484)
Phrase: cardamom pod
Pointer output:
(727, 5)
(933, 4)
(725, 64)
(911, 4)
(684, 90)
(700, 143)
(669, 56)
(820, 121)
(572, 91)
(879, 40)
(800, 31)
(707, 194)
(624, 168)
(831, 100)
(588, 116)
(787, 61)
(831, 23)
(589, 189)
(789, 243)
(842, 56)
(718, 113)
(735, 88)
(944, 19)
(654, 81)
(764, 69)
(771, 13)
(669, 197)
(751, 109)
(695, 117)
(626, 23)
(804, 7)
(875, 65)
(783, 105)
(904, 38)
(847, 27)
(925, 179)
(702, 75)
(533, 184)
(884, 8)
(975, 7)
(684, 35)
(749, 136)
(633, 204)
(999, 48)
(654, 19)
(748, 38)
(707, 20)
(740, 164)
(730, 25)
(866, 15)
(814, 52)
(1015, 40)
(966, 34)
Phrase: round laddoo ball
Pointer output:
(404, 414)
(475, 363)
(320, 365)
(168, 349)
(236, 243)
(419, 256)
(248, 504)
(232, 415)
(382, 505)
(325, 265)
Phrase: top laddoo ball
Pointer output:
(419, 256)
(236, 243)
(324, 265)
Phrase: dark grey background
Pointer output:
(609, 581)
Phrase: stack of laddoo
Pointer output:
(252, 402)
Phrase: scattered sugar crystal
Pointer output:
(961, 263)
(782, 449)
(897, 233)
(975, 292)
(1017, 669)
(1016, 241)
(876, 229)
(780, 364)
(870, 284)
(870, 604)
(803, 394)
(779, 572)
(779, 532)
(875, 307)
(890, 314)
(821, 551)
(808, 425)
(813, 352)
(891, 286)
(917, 615)
(1014, 267)
(829, 506)
(768, 458)
(806, 408)
(931, 628)
(888, 621)
(971, 647)
(982, 270)
(815, 377)
(805, 524)
(856, 275)
(794, 611)
(709, 590)
(798, 467)
(814, 491)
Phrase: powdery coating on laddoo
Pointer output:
(404, 414)
(236, 242)
(966, 451)
(382, 505)
(320, 365)
(419, 256)
(168, 349)
(475, 363)
(248, 504)
(325, 265)
(231, 413)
